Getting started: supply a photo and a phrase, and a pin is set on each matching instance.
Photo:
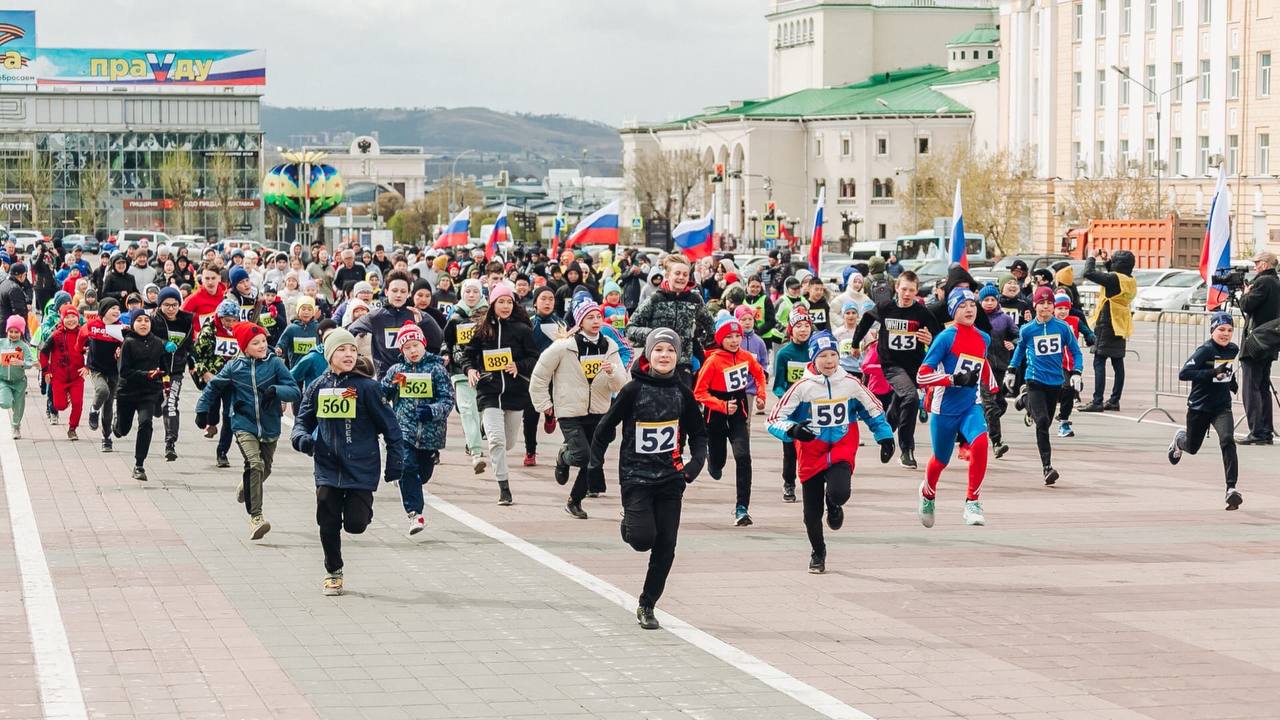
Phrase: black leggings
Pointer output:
(1100, 378)
(531, 419)
(1066, 402)
(828, 488)
(575, 452)
(788, 464)
(1041, 401)
(731, 430)
(651, 522)
(146, 412)
(994, 406)
(1198, 424)
(338, 510)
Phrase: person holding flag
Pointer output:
(694, 238)
(500, 233)
(598, 228)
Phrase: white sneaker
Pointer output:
(258, 526)
(973, 513)
(417, 523)
(17, 433)
(926, 507)
(478, 464)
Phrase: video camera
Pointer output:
(1233, 279)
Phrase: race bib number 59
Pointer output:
(331, 405)
(831, 413)
(656, 437)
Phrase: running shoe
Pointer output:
(1111, 406)
(1050, 475)
(1065, 431)
(973, 513)
(562, 473)
(222, 461)
(332, 584)
(530, 459)
(106, 445)
(789, 492)
(575, 509)
(1175, 450)
(835, 517)
(417, 523)
(999, 449)
(817, 563)
(644, 616)
(908, 459)
(71, 434)
(258, 526)
(926, 507)
(17, 433)
(93, 421)
(1234, 499)
(504, 496)
(170, 452)
(139, 474)
(478, 464)
(53, 418)
(740, 517)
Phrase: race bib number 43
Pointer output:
(1047, 345)
(831, 413)
(417, 385)
(497, 359)
(656, 437)
(901, 335)
(736, 377)
(331, 405)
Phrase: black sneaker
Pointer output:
(1253, 440)
(715, 473)
(1093, 407)
(106, 445)
(1111, 406)
(644, 616)
(817, 563)
(222, 461)
(593, 494)
(170, 452)
(789, 492)
(1175, 452)
(139, 474)
(835, 517)
(999, 449)
(908, 459)
(1050, 475)
(1234, 499)
(93, 421)
(562, 473)
(504, 496)
(575, 509)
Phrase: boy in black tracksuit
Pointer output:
(656, 411)
(1211, 371)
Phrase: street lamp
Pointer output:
(915, 160)
(1159, 135)
(452, 170)
(753, 217)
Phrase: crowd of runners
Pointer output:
(361, 358)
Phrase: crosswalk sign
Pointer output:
(770, 229)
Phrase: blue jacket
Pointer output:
(346, 451)
(1044, 343)
(243, 382)
(308, 368)
(423, 421)
(301, 331)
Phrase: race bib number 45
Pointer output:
(225, 347)
(497, 359)
(831, 413)
(1047, 345)
(417, 385)
(331, 405)
(656, 437)
(736, 377)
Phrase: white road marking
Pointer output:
(60, 694)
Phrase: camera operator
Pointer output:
(1260, 303)
(1112, 322)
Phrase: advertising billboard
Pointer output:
(150, 68)
(17, 47)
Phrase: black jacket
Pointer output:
(13, 299)
(1262, 303)
(118, 285)
(1109, 344)
(653, 401)
(181, 331)
(1210, 370)
(139, 355)
(497, 389)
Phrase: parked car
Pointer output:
(1173, 291)
(87, 244)
(1146, 277)
(126, 239)
(26, 239)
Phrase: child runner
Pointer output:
(820, 413)
(338, 424)
(615, 314)
(1211, 372)
(1067, 396)
(143, 359)
(301, 336)
(254, 385)
(574, 380)
(843, 329)
(62, 362)
(103, 336)
(721, 389)
(1042, 345)
(16, 355)
(308, 368)
(954, 366)
(656, 412)
(788, 367)
(421, 396)
(457, 338)
(1004, 337)
(173, 325)
(215, 345)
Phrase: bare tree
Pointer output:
(1124, 193)
(35, 179)
(389, 203)
(993, 186)
(94, 183)
(178, 179)
(662, 182)
(435, 205)
(223, 172)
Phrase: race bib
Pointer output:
(795, 371)
(497, 359)
(1046, 345)
(969, 362)
(591, 366)
(845, 346)
(464, 332)
(657, 437)
(446, 309)
(177, 337)
(331, 405)
(1012, 314)
(619, 322)
(11, 357)
(1220, 364)
(389, 337)
(901, 336)
(568, 307)
(736, 377)
(225, 347)
(417, 385)
(246, 312)
(204, 319)
(819, 316)
(303, 345)
(831, 413)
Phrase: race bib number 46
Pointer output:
(497, 359)
(656, 437)
(736, 377)
(831, 413)
(225, 347)
(591, 365)
(331, 405)
(417, 385)
(1047, 345)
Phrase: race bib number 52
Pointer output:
(656, 437)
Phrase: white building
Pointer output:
(366, 163)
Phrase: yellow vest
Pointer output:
(1121, 315)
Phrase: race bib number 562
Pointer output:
(656, 437)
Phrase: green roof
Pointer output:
(904, 92)
(979, 35)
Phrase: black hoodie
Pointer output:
(665, 410)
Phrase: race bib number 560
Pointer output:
(331, 405)
(656, 437)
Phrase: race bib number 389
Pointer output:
(496, 359)
(656, 437)
(331, 405)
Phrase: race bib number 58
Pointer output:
(656, 437)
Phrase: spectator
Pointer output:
(1260, 304)
(1113, 322)
(13, 294)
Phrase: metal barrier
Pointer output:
(1178, 334)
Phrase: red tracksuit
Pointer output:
(61, 359)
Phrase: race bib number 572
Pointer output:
(656, 437)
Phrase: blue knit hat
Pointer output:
(237, 274)
(821, 342)
(227, 308)
(169, 292)
(957, 298)
(988, 290)
(1220, 318)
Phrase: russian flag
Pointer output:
(815, 242)
(1216, 253)
(598, 228)
(693, 237)
(459, 231)
(958, 254)
(499, 233)
(557, 229)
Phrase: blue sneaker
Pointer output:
(1065, 431)
(740, 517)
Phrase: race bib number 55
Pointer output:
(656, 437)
(736, 377)
(331, 405)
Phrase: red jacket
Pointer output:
(62, 355)
(720, 369)
(202, 304)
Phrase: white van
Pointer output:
(866, 249)
(126, 239)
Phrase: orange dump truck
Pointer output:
(1173, 242)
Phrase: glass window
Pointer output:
(1099, 158)
(1233, 154)
(1124, 89)
(922, 145)
(1206, 12)
(1151, 15)
(1151, 154)
(1264, 74)
(817, 146)
(1176, 152)
(1124, 155)
(1177, 82)
(882, 146)
(1202, 161)
(1233, 81)
(1205, 67)
(1126, 13)
(1264, 153)
(1077, 23)
(1076, 80)
(1100, 95)
(1101, 29)
(1151, 82)
(1077, 160)
(1177, 13)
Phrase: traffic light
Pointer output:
(770, 210)
(719, 174)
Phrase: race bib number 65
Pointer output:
(656, 437)
(331, 405)
(1047, 345)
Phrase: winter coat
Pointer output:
(682, 312)
(62, 354)
(725, 376)
(382, 325)
(308, 367)
(654, 413)
(1003, 328)
(13, 299)
(546, 329)
(790, 363)
(118, 285)
(458, 333)
(1262, 303)
(563, 381)
(181, 332)
(345, 450)
(297, 340)
(214, 346)
(202, 304)
(424, 421)
(139, 355)
(16, 373)
(255, 390)
(274, 319)
(497, 388)
(831, 406)
(1211, 372)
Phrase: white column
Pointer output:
(735, 200)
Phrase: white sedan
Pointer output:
(1171, 292)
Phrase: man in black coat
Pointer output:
(1260, 304)
(13, 293)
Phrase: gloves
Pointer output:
(304, 444)
(802, 432)
(965, 378)
(202, 419)
(1077, 383)
(688, 479)
(425, 413)
(269, 393)
(1091, 341)
(1011, 381)
(886, 450)
(170, 347)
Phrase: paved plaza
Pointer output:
(1123, 592)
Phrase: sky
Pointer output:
(606, 60)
